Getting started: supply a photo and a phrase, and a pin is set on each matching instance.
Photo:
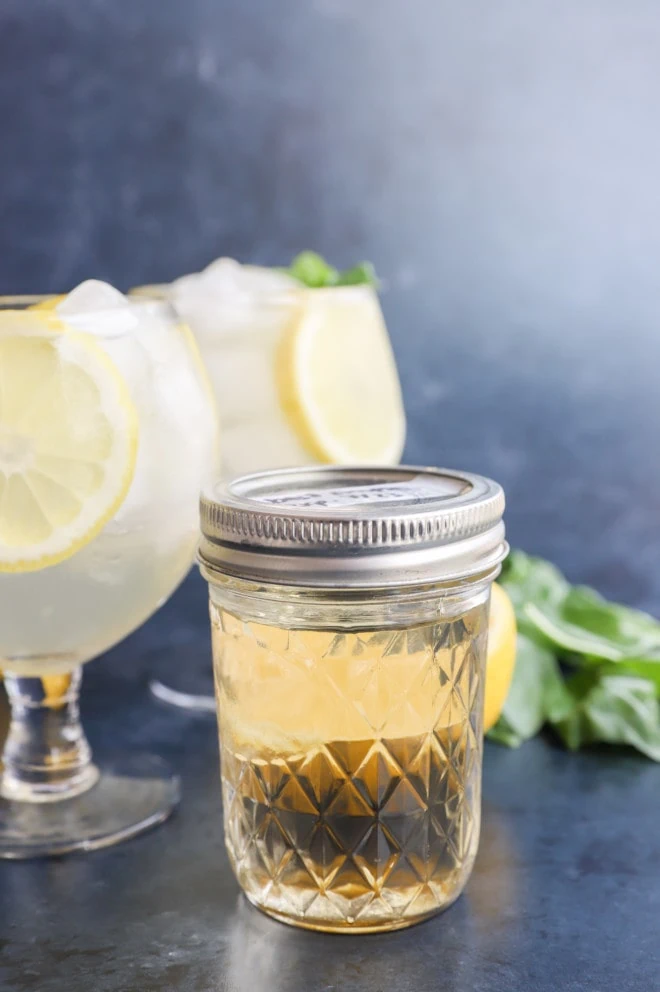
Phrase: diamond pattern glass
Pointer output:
(351, 766)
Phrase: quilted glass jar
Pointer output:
(349, 613)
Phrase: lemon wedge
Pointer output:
(338, 379)
(68, 440)
(501, 657)
(49, 303)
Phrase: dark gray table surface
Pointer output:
(565, 894)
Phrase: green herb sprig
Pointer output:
(586, 667)
(313, 271)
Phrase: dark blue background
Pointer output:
(499, 162)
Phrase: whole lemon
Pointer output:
(501, 656)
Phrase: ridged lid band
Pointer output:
(353, 527)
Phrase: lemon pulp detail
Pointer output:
(68, 440)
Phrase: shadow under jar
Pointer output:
(349, 613)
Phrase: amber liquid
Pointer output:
(372, 827)
(356, 834)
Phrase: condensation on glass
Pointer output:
(349, 612)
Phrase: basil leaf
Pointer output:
(359, 275)
(584, 623)
(502, 733)
(550, 624)
(575, 621)
(647, 668)
(312, 270)
(631, 630)
(537, 694)
(616, 709)
(532, 580)
(614, 652)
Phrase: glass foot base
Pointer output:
(189, 686)
(16, 790)
(130, 796)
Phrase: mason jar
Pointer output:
(349, 614)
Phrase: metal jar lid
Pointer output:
(337, 527)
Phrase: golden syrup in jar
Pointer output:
(349, 615)
(351, 764)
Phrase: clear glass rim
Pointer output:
(275, 298)
(20, 300)
(154, 305)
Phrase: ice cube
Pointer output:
(98, 308)
(228, 299)
(222, 278)
(226, 280)
(92, 295)
(225, 275)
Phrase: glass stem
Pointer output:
(46, 755)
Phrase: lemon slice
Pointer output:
(68, 440)
(49, 303)
(338, 379)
